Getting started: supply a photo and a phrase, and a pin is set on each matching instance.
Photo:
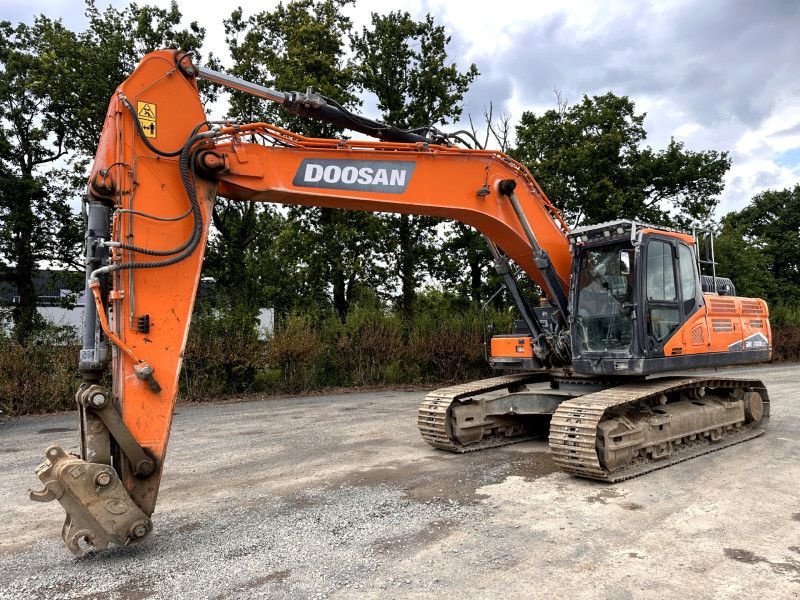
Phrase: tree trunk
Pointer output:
(407, 267)
(25, 314)
(341, 301)
(328, 228)
(476, 275)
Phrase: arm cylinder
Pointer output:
(94, 353)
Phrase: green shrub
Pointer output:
(223, 355)
(786, 344)
(785, 321)
(368, 344)
(40, 377)
(296, 349)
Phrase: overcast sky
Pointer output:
(715, 75)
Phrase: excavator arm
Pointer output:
(158, 169)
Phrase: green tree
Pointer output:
(590, 161)
(295, 46)
(55, 85)
(405, 64)
(246, 259)
(759, 247)
(110, 49)
(35, 224)
(465, 265)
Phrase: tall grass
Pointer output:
(224, 354)
(785, 321)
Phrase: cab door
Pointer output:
(662, 302)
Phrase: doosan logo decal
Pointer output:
(387, 176)
(757, 341)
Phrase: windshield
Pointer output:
(605, 284)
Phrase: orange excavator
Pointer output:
(625, 302)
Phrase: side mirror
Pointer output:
(624, 262)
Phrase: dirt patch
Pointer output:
(256, 582)
(444, 477)
(242, 551)
(56, 430)
(190, 526)
(796, 516)
(744, 556)
(790, 568)
(631, 506)
(10, 450)
(253, 432)
(434, 533)
(535, 465)
(125, 591)
(277, 576)
(603, 496)
(301, 501)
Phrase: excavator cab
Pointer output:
(639, 306)
(605, 300)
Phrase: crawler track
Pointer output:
(433, 414)
(573, 428)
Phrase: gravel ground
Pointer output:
(336, 496)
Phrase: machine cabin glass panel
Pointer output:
(605, 286)
(689, 277)
(663, 315)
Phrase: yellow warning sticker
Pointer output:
(146, 112)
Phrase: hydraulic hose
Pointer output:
(184, 250)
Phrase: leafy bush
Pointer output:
(786, 344)
(785, 321)
(368, 346)
(223, 355)
(40, 377)
(296, 349)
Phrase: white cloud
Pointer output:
(714, 78)
(687, 129)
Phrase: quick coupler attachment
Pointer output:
(99, 510)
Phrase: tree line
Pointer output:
(590, 158)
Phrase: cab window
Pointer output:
(660, 272)
(663, 314)
(688, 278)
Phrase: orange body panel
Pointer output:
(151, 184)
(725, 323)
(684, 237)
(445, 183)
(512, 347)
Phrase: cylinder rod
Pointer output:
(237, 83)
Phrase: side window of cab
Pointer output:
(663, 314)
(689, 278)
